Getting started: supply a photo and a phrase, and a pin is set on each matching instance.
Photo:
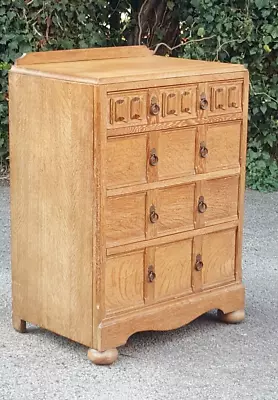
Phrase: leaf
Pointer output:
(263, 108)
(170, 5)
(201, 32)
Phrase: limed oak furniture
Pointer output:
(127, 187)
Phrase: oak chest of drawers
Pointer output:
(127, 187)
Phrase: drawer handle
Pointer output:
(203, 102)
(153, 158)
(202, 207)
(155, 108)
(151, 274)
(153, 215)
(203, 150)
(199, 263)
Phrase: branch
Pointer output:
(181, 44)
(262, 94)
(224, 44)
(139, 22)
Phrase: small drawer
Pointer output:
(218, 147)
(126, 161)
(217, 201)
(178, 103)
(127, 109)
(225, 98)
(175, 152)
(124, 282)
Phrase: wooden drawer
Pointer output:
(218, 147)
(214, 259)
(151, 106)
(166, 271)
(166, 211)
(151, 157)
(178, 103)
(225, 97)
(124, 281)
(148, 275)
(136, 217)
(175, 151)
(216, 201)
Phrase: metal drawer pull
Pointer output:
(203, 102)
(153, 158)
(202, 206)
(151, 274)
(203, 150)
(155, 108)
(153, 215)
(199, 263)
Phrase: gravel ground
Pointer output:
(203, 360)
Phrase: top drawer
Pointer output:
(191, 102)
(151, 106)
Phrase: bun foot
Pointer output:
(106, 357)
(231, 318)
(19, 324)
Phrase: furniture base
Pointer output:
(106, 357)
(234, 317)
(19, 324)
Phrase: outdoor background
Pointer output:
(239, 31)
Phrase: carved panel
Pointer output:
(218, 98)
(225, 98)
(127, 109)
(170, 104)
(234, 96)
(179, 102)
(135, 108)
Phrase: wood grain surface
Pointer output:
(126, 193)
(51, 152)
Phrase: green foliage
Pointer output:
(243, 31)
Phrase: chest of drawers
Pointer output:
(127, 187)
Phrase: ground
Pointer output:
(203, 360)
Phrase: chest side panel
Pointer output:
(51, 147)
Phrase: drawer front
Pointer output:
(175, 207)
(127, 109)
(172, 267)
(175, 151)
(214, 259)
(218, 147)
(217, 201)
(124, 282)
(125, 219)
(126, 161)
(178, 103)
(225, 98)
(151, 106)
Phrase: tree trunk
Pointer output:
(155, 23)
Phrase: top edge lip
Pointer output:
(20, 69)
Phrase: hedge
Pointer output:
(239, 31)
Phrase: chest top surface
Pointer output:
(117, 64)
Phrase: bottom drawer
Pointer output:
(175, 269)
